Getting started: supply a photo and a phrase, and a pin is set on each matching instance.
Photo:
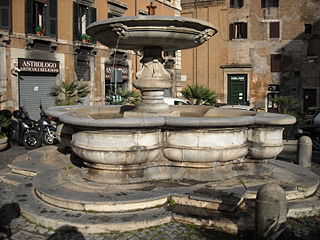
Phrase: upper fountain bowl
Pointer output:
(138, 32)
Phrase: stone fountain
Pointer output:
(136, 167)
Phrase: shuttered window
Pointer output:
(269, 3)
(41, 14)
(82, 17)
(236, 3)
(238, 30)
(274, 29)
(5, 14)
(275, 62)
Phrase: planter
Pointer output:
(3, 143)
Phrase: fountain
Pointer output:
(135, 167)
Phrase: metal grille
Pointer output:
(34, 90)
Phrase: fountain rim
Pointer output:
(68, 115)
(147, 18)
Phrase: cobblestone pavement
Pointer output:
(17, 228)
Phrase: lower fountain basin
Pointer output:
(128, 149)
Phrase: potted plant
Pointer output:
(39, 31)
(4, 122)
(85, 38)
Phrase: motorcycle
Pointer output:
(46, 128)
(23, 130)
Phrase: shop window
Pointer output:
(82, 16)
(275, 62)
(269, 3)
(5, 14)
(274, 29)
(169, 53)
(307, 28)
(236, 3)
(83, 69)
(41, 17)
(238, 30)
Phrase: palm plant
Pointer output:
(199, 95)
(69, 93)
(287, 105)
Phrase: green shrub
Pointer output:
(199, 95)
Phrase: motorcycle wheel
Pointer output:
(49, 138)
(31, 140)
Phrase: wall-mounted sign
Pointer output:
(34, 65)
(118, 73)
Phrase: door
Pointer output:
(309, 98)
(237, 89)
(33, 90)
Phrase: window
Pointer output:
(82, 16)
(116, 8)
(307, 28)
(236, 3)
(269, 3)
(274, 29)
(41, 15)
(275, 62)
(5, 14)
(237, 30)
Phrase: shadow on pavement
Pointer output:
(66, 233)
(8, 212)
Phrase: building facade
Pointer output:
(263, 49)
(44, 42)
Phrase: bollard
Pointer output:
(304, 153)
(270, 212)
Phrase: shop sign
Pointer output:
(124, 70)
(41, 66)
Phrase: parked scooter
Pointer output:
(46, 128)
(23, 130)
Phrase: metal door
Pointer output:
(33, 90)
(237, 89)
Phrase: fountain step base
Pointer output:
(52, 193)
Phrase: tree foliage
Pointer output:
(199, 95)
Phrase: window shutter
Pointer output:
(53, 17)
(274, 30)
(231, 31)
(92, 15)
(76, 27)
(92, 18)
(29, 24)
(244, 30)
(275, 63)
(5, 14)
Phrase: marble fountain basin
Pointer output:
(119, 149)
(138, 32)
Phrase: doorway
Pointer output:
(237, 89)
(309, 98)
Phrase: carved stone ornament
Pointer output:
(205, 35)
(153, 69)
(120, 29)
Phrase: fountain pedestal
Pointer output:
(152, 81)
